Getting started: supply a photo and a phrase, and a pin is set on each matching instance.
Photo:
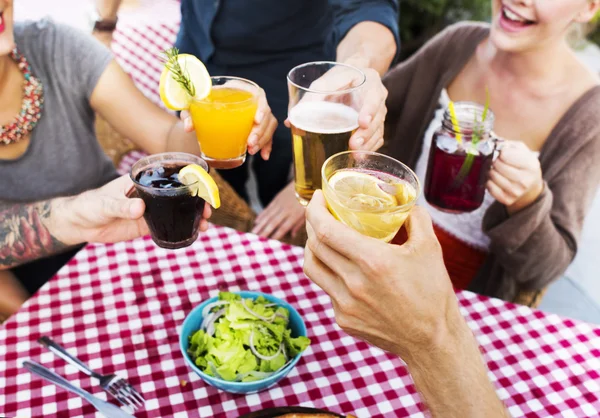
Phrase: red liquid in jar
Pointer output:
(444, 188)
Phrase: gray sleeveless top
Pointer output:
(64, 156)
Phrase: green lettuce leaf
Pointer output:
(294, 346)
(199, 343)
(272, 365)
(229, 297)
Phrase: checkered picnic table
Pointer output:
(119, 308)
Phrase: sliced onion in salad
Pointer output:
(251, 312)
(210, 327)
(208, 307)
(213, 369)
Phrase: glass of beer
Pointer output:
(223, 120)
(323, 113)
(370, 192)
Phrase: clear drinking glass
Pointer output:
(223, 120)
(173, 212)
(370, 192)
(323, 113)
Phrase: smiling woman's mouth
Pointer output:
(511, 21)
(2, 21)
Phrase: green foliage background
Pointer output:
(595, 33)
(422, 19)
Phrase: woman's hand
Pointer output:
(261, 135)
(284, 214)
(398, 298)
(516, 177)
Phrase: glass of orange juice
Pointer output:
(223, 120)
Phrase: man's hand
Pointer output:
(395, 297)
(400, 299)
(284, 214)
(371, 118)
(371, 47)
(261, 135)
(368, 100)
(102, 215)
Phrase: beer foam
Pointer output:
(324, 117)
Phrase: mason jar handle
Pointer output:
(498, 144)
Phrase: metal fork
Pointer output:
(105, 408)
(111, 383)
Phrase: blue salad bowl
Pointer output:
(192, 323)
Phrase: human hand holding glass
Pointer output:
(370, 99)
(515, 179)
(393, 296)
(323, 114)
(400, 299)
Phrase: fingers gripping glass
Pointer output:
(323, 112)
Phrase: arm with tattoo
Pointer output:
(29, 231)
(24, 234)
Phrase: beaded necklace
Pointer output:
(31, 107)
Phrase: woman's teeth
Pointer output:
(513, 16)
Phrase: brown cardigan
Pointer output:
(533, 247)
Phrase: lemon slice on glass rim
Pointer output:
(183, 74)
(201, 183)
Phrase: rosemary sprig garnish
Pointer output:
(477, 135)
(180, 75)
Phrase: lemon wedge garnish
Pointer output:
(173, 95)
(202, 183)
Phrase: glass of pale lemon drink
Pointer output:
(370, 192)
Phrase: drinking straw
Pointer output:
(454, 122)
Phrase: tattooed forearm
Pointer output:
(24, 236)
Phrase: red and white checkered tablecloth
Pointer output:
(119, 307)
(138, 43)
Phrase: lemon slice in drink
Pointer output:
(173, 94)
(202, 183)
(361, 191)
(368, 203)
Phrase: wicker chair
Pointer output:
(234, 212)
